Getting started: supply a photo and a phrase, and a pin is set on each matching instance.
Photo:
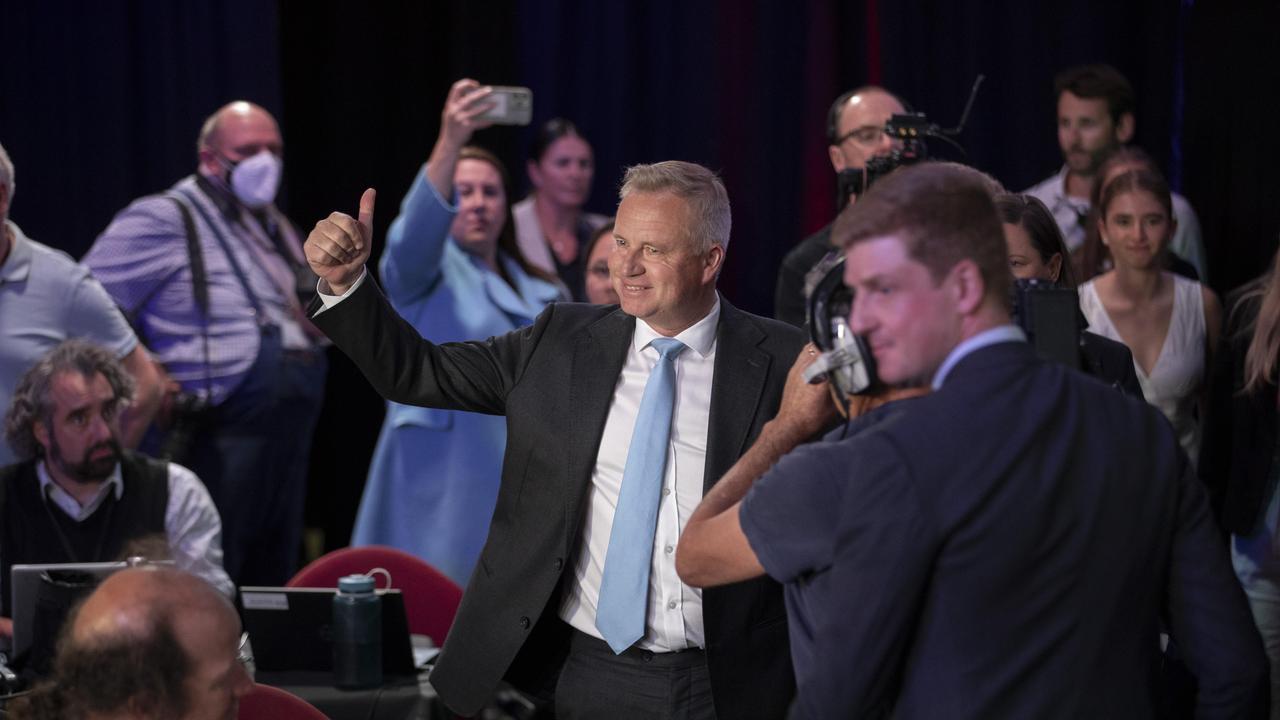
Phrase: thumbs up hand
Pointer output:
(339, 246)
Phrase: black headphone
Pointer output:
(845, 359)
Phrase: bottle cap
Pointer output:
(356, 584)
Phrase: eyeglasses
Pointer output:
(867, 135)
(244, 655)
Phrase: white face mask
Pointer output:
(255, 180)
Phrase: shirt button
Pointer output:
(671, 605)
(666, 491)
(524, 623)
(559, 563)
(669, 549)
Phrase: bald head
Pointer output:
(238, 130)
(153, 642)
(131, 602)
(855, 126)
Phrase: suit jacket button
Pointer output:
(524, 623)
(559, 563)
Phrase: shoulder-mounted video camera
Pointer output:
(912, 131)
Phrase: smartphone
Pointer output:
(511, 106)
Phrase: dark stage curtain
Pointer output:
(101, 102)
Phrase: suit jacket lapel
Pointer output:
(598, 356)
(741, 371)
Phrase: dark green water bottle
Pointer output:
(357, 634)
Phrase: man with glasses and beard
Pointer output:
(76, 496)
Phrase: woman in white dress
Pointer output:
(1170, 323)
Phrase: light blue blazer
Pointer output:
(435, 473)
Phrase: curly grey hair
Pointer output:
(696, 185)
(31, 401)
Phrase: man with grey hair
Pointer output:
(45, 298)
(617, 421)
(210, 271)
(76, 496)
(150, 642)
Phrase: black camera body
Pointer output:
(1050, 316)
(189, 414)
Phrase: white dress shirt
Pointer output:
(193, 529)
(673, 619)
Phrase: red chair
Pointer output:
(264, 702)
(430, 598)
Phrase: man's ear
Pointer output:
(41, 431)
(210, 164)
(837, 158)
(4, 201)
(968, 286)
(714, 261)
(1125, 128)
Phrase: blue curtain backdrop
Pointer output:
(101, 103)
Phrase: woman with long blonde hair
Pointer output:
(1239, 462)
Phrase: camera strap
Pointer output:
(199, 284)
(231, 257)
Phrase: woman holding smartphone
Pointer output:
(453, 270)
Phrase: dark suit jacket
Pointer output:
(789, 302)
(1111, 362)
(1239, 429)
(554, 382)
(1006, 548)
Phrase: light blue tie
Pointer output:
(625, 586)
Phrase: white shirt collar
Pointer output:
(700, 337)
(52, 491)
(998, 334)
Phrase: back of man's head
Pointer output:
(1100, 81)
(942, 213)
(132, 648)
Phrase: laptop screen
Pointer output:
(42, 594)
(291, 630)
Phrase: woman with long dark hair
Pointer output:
(1037, 251)
(453, 270)
(552, 228)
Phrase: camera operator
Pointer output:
(1037, 252)
(1004, 546)
(855, 135)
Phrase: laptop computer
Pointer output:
(291, 630)
(26, 584)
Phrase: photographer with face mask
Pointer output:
(211, 274)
